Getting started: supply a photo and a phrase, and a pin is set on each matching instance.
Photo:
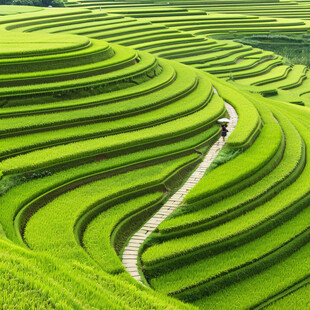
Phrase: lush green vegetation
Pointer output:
(55, 3)
(106, 109)
(97, 237)
(58, 238)
(9, 9)
(127, 96)
(296, 50)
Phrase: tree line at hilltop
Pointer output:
(43, 3)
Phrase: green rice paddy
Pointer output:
(106, 108)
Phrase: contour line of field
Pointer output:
(130, 254)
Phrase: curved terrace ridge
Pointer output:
(130, 254)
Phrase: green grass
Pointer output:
(47, 15)
(230, 60)
(159, 36)
(77, 140)
(177, 247)
(71, 151)
(292, 157)
(96, 52)
(146, 64)
(194, 50)
(166, 44)
(166, 76)
(275, 74)
(257, 287)
(228, 70)
(174, 50)
(228, 50)
(217, 266)
(10, 10)
(116, 57)
(39, 281)
(197, 99)
(294, 79)
(261, 68)
(248, 118)
(294, 49)
(97, 236)
(235, 259)
(125, 28)
(183, 85)
(54, 223)
(33, 189)
(241, 167)
(263, 286)
(21, 45)
(82, 23)
(298, 299)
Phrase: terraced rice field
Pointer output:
(106, 109)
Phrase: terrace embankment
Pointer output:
(96, 137)
(90, 129)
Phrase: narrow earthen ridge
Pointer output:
(130, 254)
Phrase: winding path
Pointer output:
(130, 254)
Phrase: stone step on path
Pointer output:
(130, 254)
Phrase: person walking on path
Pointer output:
(224, 131)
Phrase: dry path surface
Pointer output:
(130, 254)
